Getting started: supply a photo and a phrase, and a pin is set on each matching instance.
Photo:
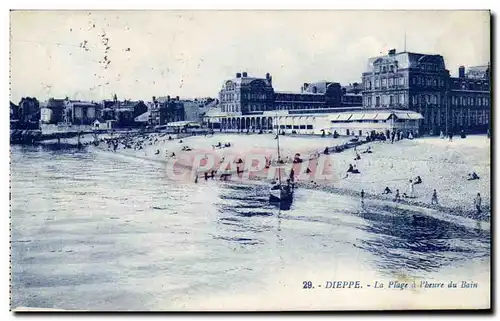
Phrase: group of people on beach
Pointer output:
(434, 198)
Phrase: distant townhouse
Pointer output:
(165, 110)
(470, 99)
(81, 112)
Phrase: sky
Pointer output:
(91, 55)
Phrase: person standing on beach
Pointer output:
(362, 195)
(477, 203)
(397, 197)
(434, 199)
(411, 189)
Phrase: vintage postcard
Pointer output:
(250, 160)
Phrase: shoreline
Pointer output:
(330, 188)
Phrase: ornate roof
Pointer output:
(405, 60)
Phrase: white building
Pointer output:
(359, 122)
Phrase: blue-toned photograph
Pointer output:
(250, 160)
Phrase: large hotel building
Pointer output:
(400, 91)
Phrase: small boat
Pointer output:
(281, 192)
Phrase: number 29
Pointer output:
(307, 284)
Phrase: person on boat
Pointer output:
(397, 198)
(434, 200)
(387, 190)
(477, 203)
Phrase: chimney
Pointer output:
(245, 74)
(461, 72)
(392, 52)
(238, 75)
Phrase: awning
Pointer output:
(357, 117)
(382, 116)
(402, 116)
(343, 117)
(415, 116)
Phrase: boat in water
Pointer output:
(281, 192)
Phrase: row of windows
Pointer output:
(393, 68)
(385, 82)
(229, 96)
(471, 117)
(245, 96)
(298, 97)
(298, 106)
(386, 100)
(385, 68)
(230, 108)
(294, 126)
(470, 101)
(427, 81)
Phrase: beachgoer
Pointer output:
(412, 189)
(397, 197)
(434, 199)
(350, 168)
(387, 190)
(362, 194)
(418, 180)
(473, 176)
(477, 203)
